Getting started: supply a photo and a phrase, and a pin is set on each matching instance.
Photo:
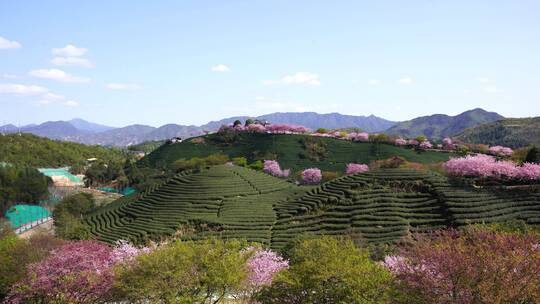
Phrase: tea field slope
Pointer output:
(289, 151)
(386, 205)
(229, 201)
(378, 206)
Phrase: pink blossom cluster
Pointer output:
(258, 128)
(286, 129)
(356, 168)
(311, 176)
(125, 252)
(482, 165)
(362, 136)
(448, 144)
(400, 142)
(425, 145)
(413, 142)
(79, 272)
(272, 167)
(500, 150)
(262, 267)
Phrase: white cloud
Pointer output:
(69, 51)
(21, 89)
(71, 103)
(9, 76)
(7, 44)
(58, 75)
(373, 82)
(483, 79)
(405, 81)
(72, 61)
(491, 89)
(302, 78)
(122, 86)
(220, 68)
(50, 99)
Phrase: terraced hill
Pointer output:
(289, 151)
(230, 201)
(385, 205)
(380, 206)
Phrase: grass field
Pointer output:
(288, 150)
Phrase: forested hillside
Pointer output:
(34, 151)
(511, 132)
(292, 151)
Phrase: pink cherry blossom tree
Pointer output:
(311, 176)
(356, 168)
(501, 151)
(262, 266)
(400, 142)
(272, 167)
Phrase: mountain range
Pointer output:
(439, 126)
(82, 131)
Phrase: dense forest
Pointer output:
(34, 151)
(21, 184)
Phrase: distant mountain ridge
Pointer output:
(314, 120)
(79, 130)
(441, 125)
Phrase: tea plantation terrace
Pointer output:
(233, 202)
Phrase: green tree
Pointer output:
(68, 216)
(249, 121)
(240, 161)
(185, 272)
(329, 270)
(533, 156)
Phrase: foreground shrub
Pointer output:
(78, 272)
(473, 266)
(184, 272)
(328, 270)
(311, 176)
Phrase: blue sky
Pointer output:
(188, 62)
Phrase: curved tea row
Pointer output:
(378, 206)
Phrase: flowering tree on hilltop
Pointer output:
(257, 128)
(400, 142)
(413, 142)
(356, 168)
(311, 176)
(272, 167)
(425, 145)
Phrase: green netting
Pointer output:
(19, 215)
(60, 172)
(126, 191)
